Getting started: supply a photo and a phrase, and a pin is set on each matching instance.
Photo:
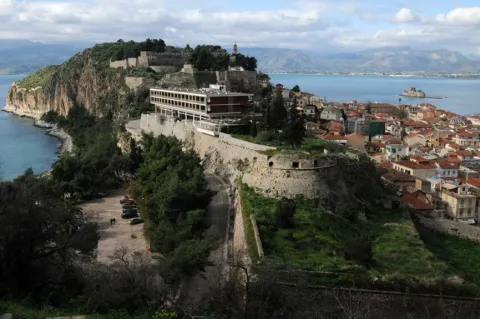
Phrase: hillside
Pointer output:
(22, 56)
(401, 59)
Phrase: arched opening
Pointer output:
(270, 164)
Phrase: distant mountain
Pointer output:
(391, 59)
(22, 56)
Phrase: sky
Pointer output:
(315, 25)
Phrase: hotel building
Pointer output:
(210, 105)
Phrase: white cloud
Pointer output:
(310, 24)
(405, 15)
(461, 16)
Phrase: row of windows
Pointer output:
(178, 96)
(186, 105)
(467, 212)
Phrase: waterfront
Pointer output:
(22, 145)
(463, 95)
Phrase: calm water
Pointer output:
(463, 95)
(22, 145)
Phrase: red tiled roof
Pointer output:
(415, 202)
(475, 182)
(454, 159)
(415, 123)
(464, 134)
(394, 141)
(414, 165)
(444, 164)
(332, 137)
(462, 153)
(386, 165)
(382, 105)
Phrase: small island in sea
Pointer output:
(414, 93)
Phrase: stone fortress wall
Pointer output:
(163, 61)
(275, 176)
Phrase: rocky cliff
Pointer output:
(85, 80)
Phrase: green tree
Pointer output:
(277, 112)
(294, 128)
(296, 89)
(368, 108)
(173, 192)
(39, 237)
(285, 213)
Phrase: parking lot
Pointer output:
(119, 235)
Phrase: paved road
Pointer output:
(217, 216)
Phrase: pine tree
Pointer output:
(294, 129)
(277, 113)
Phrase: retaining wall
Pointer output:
(451, 227)
(230, 157)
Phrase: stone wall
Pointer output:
(230, 158)
(164, 68)
(451, 227)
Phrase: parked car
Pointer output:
(129, 207)
(129, 213)
(126, 200)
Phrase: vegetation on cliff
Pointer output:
(170, 186)
(38, 78)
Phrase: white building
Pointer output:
(331, 114)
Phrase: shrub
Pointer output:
(50, 117)
(267, 136)
(136, 221)
(360, 250)
(285, 213)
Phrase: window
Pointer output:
(295, 164)
(270, 164)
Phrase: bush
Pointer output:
(285, 213)
(50, 117)
(267, 136)
(136, 221)
(360, 250)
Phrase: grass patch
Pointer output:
(24, 310)
(247, 223)
(318, 246)
(461, 255)
(38, 78)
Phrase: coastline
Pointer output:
(66, 143)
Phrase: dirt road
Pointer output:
(120, 235)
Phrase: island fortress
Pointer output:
(197, 116)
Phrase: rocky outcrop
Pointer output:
(85, 80)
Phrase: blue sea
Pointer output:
(21, 144)
(462, 95)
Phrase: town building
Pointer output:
(466, 139)
(418, 168)
(331, 114)
(383, 108)
(461, 203)
(213, 105)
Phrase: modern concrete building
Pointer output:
(212, 104)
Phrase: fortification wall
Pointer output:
(118, 64)
(164, 68)
(231, 157)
